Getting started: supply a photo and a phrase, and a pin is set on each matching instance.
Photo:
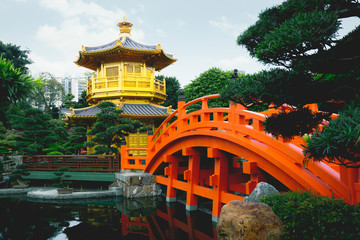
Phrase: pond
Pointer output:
(111, 218)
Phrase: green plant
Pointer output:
(339, 142)
(55, 153)
(17, 175)
(60, 176)
(110, 129)
(310, 216)
(1, 169)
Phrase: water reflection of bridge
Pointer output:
(162, 222)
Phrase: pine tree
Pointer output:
(76, 140)
(37, 133)
(110, 129)
(312, 65)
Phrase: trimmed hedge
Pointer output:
(309, 216)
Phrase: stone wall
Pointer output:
(137, 184)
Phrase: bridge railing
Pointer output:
(129, 162)
(83, 163)
(220, 119)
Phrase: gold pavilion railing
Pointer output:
(128, 83)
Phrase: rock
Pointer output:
(248, 220)
(262, 189)
(135, 181)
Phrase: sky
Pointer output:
(201, 33)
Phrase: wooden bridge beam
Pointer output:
(192, 177)
(219, 180)
(172, 172)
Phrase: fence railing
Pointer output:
(126, 83)
(81, 163)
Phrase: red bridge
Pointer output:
(221, 154)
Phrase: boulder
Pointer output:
(262, 189)
(248, 220)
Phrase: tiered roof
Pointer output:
(125, 48)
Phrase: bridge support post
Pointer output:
(218, 180)
(172, 172)
(192, 176)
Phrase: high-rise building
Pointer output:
(74, 85)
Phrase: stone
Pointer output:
(135, 181)
(262, 189)
(248, 220)
(137, 184)
(148, 189)
(147, 180)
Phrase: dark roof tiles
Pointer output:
(143, 109)
(126, 42)
(90, 111)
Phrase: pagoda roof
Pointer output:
(131, 109)
(125, 48)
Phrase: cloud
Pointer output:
(82, 23)
(160, 32)
(226, 26)
(59, 68)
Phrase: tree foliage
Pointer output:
(14, 85)
(110, 129)
(339, 142)
(172, 91)
(7, 141)
(209, 82)
(68, 101)
(313, 64)
(309, 216)
(81, 103)
(51, 92)
(36, 131)
(76, 141)
(17, 56)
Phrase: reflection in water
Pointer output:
(115, 218)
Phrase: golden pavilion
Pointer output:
(124, 73)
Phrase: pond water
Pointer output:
(111, 218)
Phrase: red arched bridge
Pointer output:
(222, 153)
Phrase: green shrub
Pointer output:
(55, 153)
(308, 216)
(60, 175)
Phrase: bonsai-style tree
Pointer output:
(18, 174)
(60, 176)
(37, 132)
(313, 65)
(76, 140)
(110, 129)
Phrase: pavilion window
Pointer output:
(130, 69)
(112, 73)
